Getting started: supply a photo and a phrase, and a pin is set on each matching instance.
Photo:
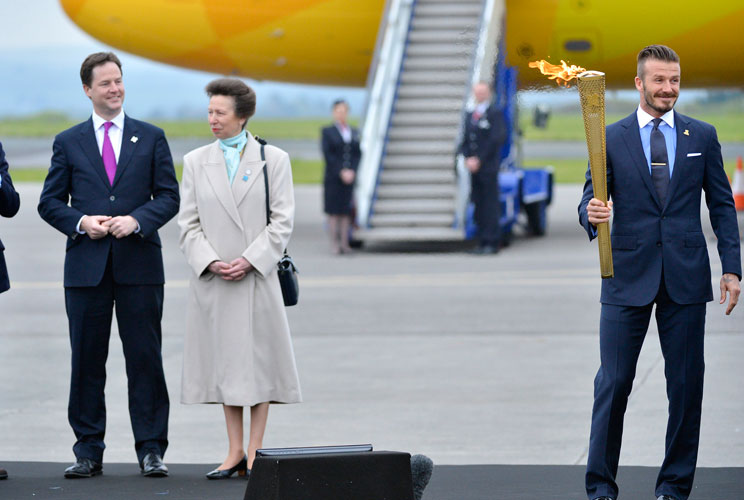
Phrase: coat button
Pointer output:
(112, 198)
(658, 243)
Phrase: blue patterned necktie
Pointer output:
(659, 162)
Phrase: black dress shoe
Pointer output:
(603, 498)
(488, 250)
(83, 467)
(3, 474)
(666, 497)
(241, 468)
(153, 466)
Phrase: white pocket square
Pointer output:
(693, 154)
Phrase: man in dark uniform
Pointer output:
(9, 204)
(482, 138)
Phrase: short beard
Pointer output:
(650, 102)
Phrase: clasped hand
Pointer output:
(98, 226)
(473, 164)
(232, 271)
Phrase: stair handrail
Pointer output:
(381, 88)
(485, 51)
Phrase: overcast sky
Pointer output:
(40, 55)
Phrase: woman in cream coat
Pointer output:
(237, 349)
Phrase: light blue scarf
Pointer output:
(232, 148)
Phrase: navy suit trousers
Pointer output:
(138, 312)
(622, 331)
(485, 195)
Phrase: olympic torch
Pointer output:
(592, 96)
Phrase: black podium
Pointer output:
(373, 475)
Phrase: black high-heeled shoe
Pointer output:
(241, 468)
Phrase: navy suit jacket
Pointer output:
(484, 138)
(337, 153)
(9, 204)
(145, 187)
(647, 237)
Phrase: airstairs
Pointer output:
(429, 53)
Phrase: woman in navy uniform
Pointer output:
(341, 152)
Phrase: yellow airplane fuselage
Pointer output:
(331, 42)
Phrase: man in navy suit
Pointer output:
(658, 164)
(482, 138)
(117, 175)
(10, 202)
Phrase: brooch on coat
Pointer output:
(484, 124)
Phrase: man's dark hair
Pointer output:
(93, 60)
(243, 96)
(338, 102)
(658, 52)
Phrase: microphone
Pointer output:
(421, 469)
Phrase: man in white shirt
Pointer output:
(110, 187)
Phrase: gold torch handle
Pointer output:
(592, 96)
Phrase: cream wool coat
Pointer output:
(237, 349)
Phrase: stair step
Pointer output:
(408, 147)
(397, 133)
(429, 2)
(442, 49)
(410, 234)
(434, 77)
(421, 191)
(427, 119)
(417, 176)
(423, 36)
(412, 220)
(423, 90)
(411, 104)
(396, 206)
(462, 23)
(449, 9)
(419, 161)
(460, 63)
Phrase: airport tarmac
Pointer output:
(467, 359)
(35, 152)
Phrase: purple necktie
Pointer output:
(109, 158)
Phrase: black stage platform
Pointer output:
(43, 480)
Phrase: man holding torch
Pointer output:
(658, 164)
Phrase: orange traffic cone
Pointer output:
(737, 186)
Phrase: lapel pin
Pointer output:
(686, 132)
(247, 174)
(134, 139)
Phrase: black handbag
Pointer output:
(286, 268)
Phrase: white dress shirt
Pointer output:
(345, 132)
(115, 133)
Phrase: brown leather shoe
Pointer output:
(3, 474)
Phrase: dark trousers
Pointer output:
(622, 330)
(485, 194)
(138, 314)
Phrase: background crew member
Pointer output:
(341, 152)
(483, 136)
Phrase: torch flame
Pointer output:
(561, 74)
